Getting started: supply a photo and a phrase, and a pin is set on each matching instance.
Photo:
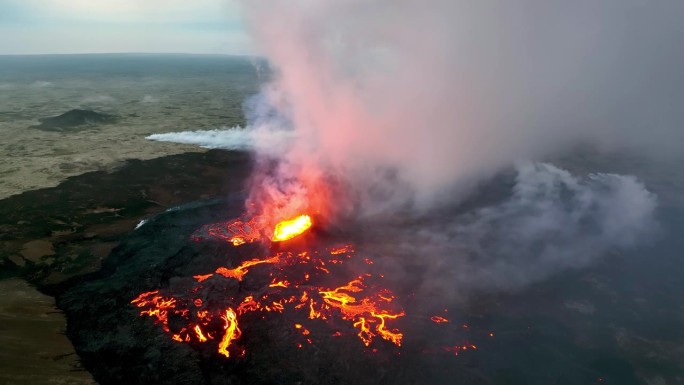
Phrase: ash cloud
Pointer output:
(410, 106)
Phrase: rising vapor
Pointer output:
(449, 93)
(234, 138)
(407, 106)
(550, 221)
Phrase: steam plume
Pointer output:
(450, 92)
(551, 220)
(408, 105)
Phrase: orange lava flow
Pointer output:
(243, 269)
(201, 278)
(438, 320)
(200, 334)
(232, 332)
(285, 282)
(237, 232)
(159, 307)
(365, 312)
(289, 229)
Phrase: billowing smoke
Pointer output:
(446, 93)
(550, 220)
(406, 106)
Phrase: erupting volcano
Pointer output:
(308, 285)
(465, 203)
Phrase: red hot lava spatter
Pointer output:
(292, 283)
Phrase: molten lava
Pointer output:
(284, 282)
(292, 286)
(365, 312)
(287, 230)
(237, 232)
(241, 270)
(232, 332)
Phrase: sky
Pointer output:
(107, 26)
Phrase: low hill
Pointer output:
(74, 119)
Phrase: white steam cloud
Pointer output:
(235, 138)
(228, 139)
(450, 92)
(409, 105)
(550, 221)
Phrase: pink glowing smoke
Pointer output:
(414, 102)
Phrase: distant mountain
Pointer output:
(73, 119)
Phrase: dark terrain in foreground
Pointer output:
(613, 323)
(52, 235)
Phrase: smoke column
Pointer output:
(448, 92)
(408, 105)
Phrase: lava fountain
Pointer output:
(287, 230)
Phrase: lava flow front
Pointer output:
(298, 285)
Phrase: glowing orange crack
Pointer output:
(367, 313)
(240, 271)
(364, 313)
(232, 332)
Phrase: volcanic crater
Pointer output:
(167, 297)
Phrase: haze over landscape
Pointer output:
(512, 166)
(79, 26)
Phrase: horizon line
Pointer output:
(133, 53)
